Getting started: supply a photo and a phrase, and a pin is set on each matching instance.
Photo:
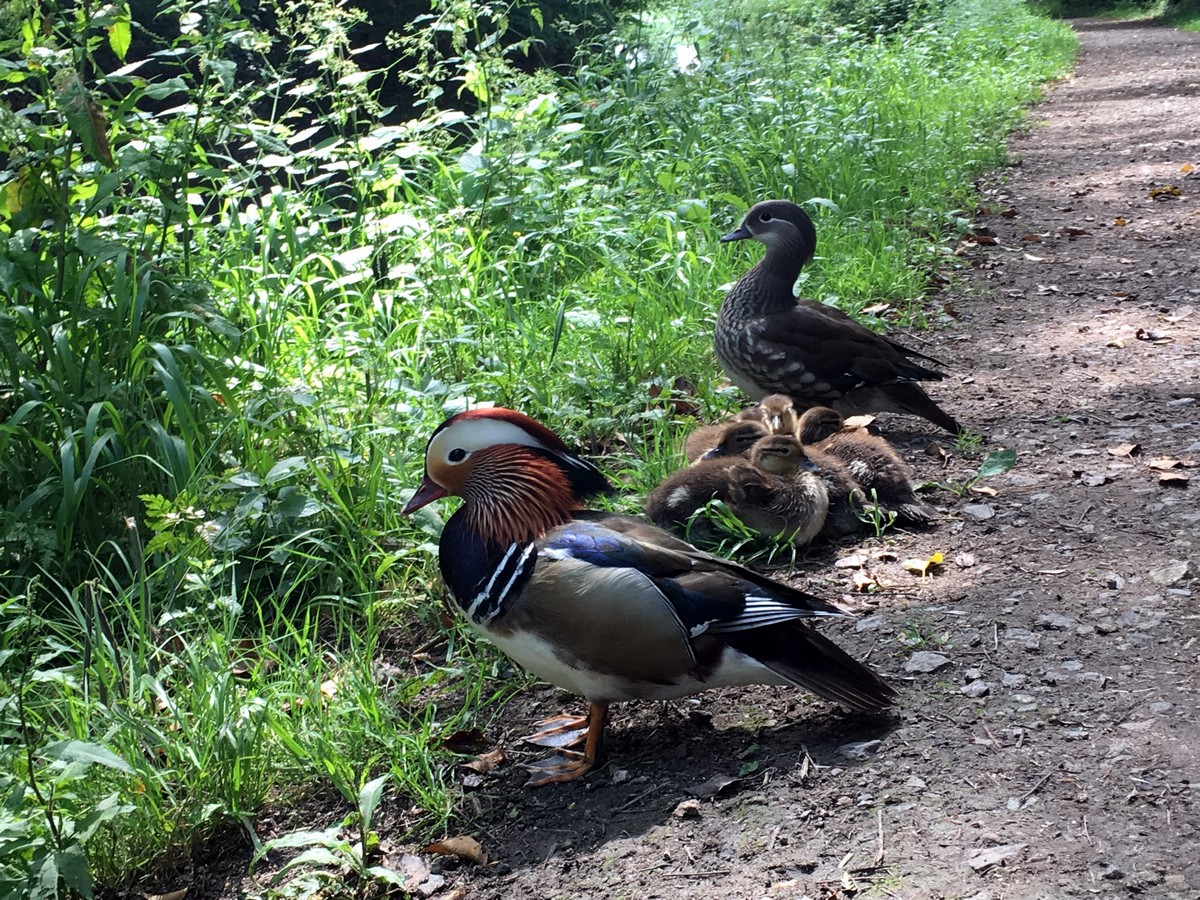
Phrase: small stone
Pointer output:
(977, 689)
(1114, 581)
(1014, 680)
(1174, 571)
(870, 623)
(925, 661)
(688, 809)
(1107, 626)
(972, 674)
(859, 749)
(979, 511)
(917, 782)
(1072, 665)
(620, 776)
(1113, 874)
(1055, 622)
(982, 860)
(1161, 707)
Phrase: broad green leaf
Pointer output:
(997, 463)
(368, 800)
(120, 35)
(73, 869)
(86, 753)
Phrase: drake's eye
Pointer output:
(457, 455)
(764, 217)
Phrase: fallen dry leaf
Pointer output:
(468, 740)
(1031, 238)
(921, 567)
(1165, 192)
(863, 582)
(1075, 232)
(1163, 463)
(329, 688)
(1094, 479)
(462, 846)
(855, 561)
(1123, 450)
(876, 309)
(983, 489)
(718, 784)
(1174, 478)
(1186, 168)
(688, 809)
(1119, 343)
(485, 762)
(1119, 221)
(852, 422)
(170, 895)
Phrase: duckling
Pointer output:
(776, 412)
(787, 498)
(729, 439)
(873, 462)
(678, 497)
(843, 492)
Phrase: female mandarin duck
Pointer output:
(604, 605)
(768, 341)
(873, 462)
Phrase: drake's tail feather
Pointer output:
(809, 660)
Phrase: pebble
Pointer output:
(980, 511)
(859, 749)
(1013, 680)
(925, 661)
(1055, 622)
(1161, 706)
(977, 689)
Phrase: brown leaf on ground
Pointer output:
(468, 740)
(1164, 463)
(1123, 450)
(485, 762)
(1177, 479)
(1165, 192)
(462, 846)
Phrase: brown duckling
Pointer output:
(677, 497)
(787, 498)
(775, 412)
(842, 489)
(726, 439)
(873, 462)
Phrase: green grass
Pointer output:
(225, 347)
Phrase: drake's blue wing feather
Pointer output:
(707, 594)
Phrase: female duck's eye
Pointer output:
(764, 217)
(458, 454)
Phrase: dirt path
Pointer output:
(1056, 750)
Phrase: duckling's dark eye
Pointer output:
(458, 454)
(764, 217)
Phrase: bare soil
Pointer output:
(1051, 749)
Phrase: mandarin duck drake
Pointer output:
(608, 606)
(873, 462)
(768, 341)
